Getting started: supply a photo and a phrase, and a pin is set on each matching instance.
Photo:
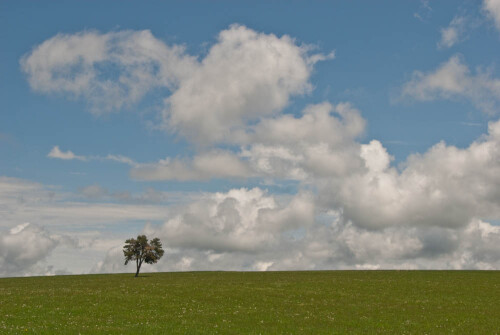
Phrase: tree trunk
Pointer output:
(138, 263)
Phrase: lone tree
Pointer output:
(140, 251)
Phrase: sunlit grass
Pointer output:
(398, 302)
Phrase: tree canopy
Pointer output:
(140, 251)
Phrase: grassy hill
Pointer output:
(402, 302)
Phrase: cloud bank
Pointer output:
(353, 208)
(431, 212)
(248, 229)
(23, 247)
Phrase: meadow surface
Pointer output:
(322, 302)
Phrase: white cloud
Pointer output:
(25, 201)
(453, 79)
(319, 143)
(149, 196)
(319, 123)
(448, 79)
(375, 156)
(87, 249)
(428, 214)
(471, 247)
(67, 236)
(431, 212)
(204, 166)
(244, 76)
(250, 229)
(55, 152)
(240, 220)
(109, 71)
(120, 159)
(68, 155)
(492, 8)
(360, 212)
(330, 244)
(94, 191)
(446, 186)
(76, 213)
(112, 262)
(454, 33)
(262, 266)
(23, 247)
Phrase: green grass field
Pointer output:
(327, 302)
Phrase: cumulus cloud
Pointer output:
(23, 247)
(453, 79)
(354, 209)
(240, 220)
(68, 236)
(113, 262)
(109, 71)
(29, 249)
(454, 33)
(431, 213)
(232, 230)
(318, 143)
(411, 248)
(492, 8)
(328, 242)
(68, 155)
(319, 123)
(251, 229)
(244, 76)
(446, 186)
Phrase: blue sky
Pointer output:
(386, 82)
